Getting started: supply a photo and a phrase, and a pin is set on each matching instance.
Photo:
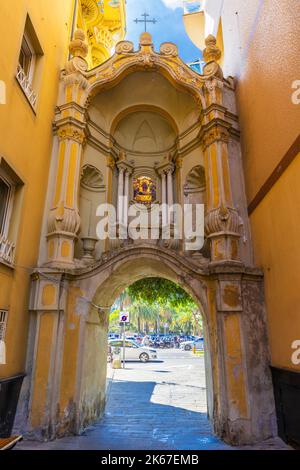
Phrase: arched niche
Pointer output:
(195, 193)
(195, 186)
(92, 194)
(146, 89)
(145, 132)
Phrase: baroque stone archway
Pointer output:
(70, 299)
(70, 335)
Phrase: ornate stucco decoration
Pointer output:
(90, 10)
(195, 179)
(92, 178)
(104, 25)
(169, 49)
(212, 54)
(77, 66)
(166, 61)
(124, 47)
(71, 133)
(79, 86)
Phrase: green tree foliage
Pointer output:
(157, 300)
(114, 321)
(160, 291)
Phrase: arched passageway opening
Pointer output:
(156, 384)
(125, 276)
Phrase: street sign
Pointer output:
(124, 317)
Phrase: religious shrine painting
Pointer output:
(144, 190)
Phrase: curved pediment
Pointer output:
(167, 62)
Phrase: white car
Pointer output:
(133, 351)
(189, 345)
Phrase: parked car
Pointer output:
(133, 351)
(189, 345)
(113, 336)
(131, 338)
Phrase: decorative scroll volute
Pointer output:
(212, 54)
(77, 66)
(169, 49)
(124, 47)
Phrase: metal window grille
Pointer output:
(3, 323)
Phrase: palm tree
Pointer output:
(143, 312)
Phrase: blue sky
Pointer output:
(169, 27)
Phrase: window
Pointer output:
(3, 323)
(5, 197)
(10, 199)
(27, 57)
(28, 64)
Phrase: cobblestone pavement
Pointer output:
(156, 406)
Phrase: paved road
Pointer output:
(155, 406)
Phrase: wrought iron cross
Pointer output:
(145, 20)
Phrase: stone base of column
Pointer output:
(60, 250)
(246, 413)
(225, 247)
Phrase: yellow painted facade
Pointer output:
(270, 126)
(69, 339)
(25, 145)
(279, 253)
(26, 139)
(261, 49)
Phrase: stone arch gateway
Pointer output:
(66, 368)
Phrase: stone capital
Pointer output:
(214, 133)
(179, 163)
(72, 132)
(110, 162)
(124, 167)
(165, 169)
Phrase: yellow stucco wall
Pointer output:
(275, 225)
(270, 125)
(25, 144)
(269, 119)
(261, 49)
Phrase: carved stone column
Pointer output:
(111, 164)
(179, 181)
(166, 173)
(170, 186)
(125, 170)
(120, 201)
(164, 197)
(126, 197)
(64, 219)
(170, 191)
(222, 220)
